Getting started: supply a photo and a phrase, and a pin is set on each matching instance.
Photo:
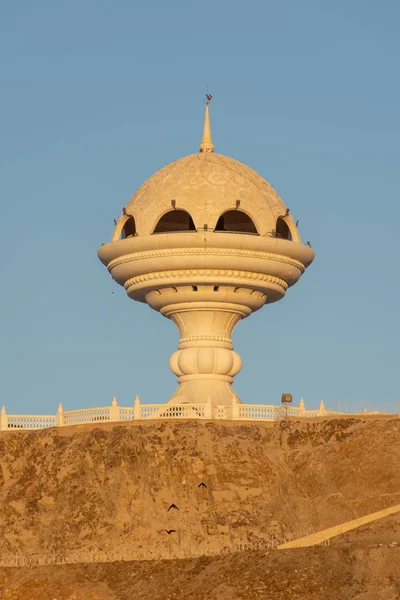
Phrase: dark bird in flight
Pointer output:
(202, 485)
(169, 531)
(297, 223)
(173, 506)
(209, 97)
(115, 222)
(112, 292)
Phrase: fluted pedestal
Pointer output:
(205, 361)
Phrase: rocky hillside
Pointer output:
(109, 487)
(363, 565)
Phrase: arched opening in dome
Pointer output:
(236, 221)
(282, 229)
(129, 228)
(175, 220)
(125, 228)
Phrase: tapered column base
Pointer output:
(199, 391)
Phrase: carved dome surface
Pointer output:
(206, 191)
(206, 185)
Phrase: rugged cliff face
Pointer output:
(109, 487)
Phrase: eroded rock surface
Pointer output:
(95, 488)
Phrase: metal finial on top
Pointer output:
(206, 144)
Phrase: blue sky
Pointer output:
(98, 95)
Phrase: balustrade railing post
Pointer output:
(136, 408)
(208, 409)
(3, 419)
(60, 416)
(235, 407)
(114, 410)
(302, 408)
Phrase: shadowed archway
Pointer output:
(236, 221)
(175, 220)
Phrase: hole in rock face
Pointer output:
(236, 221)
(216, 288)
(194, 288)
(175, 220)
(282, 229)
(129, 228)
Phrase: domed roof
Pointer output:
(206, 185)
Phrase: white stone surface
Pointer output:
(204, 280)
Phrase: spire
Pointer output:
(206, 144)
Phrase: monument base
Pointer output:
(201, 391)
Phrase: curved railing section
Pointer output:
(139, 411)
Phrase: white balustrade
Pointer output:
(220, 412)
(89, 415)
(259, 411)
(116, 413)
(30, 421)
(125, 413)
(148, 410)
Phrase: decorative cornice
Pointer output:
(213, 338)
(211, 251)
(190, 273)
